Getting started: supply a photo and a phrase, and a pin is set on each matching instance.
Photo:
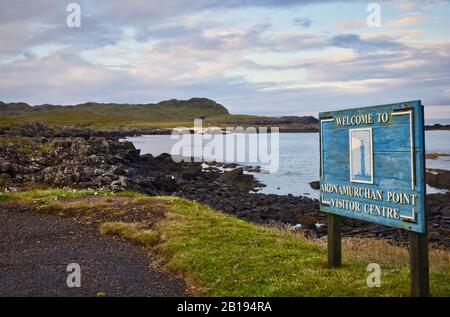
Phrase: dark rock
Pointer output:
(165, 183)
(192, 173)
(119, 185)
(90, 161)
(438, 178)
(119, 171)
(315, 184)
(32, 129)
(231, 176)
(230, 165)
(252, 169)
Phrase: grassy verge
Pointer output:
(59, 194)
(220, 255)
(136, 232)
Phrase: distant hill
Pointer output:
(179, 108)
(13, 108)
(113, 116)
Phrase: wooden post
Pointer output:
(418, 246)
(334, 240)
(418, 263)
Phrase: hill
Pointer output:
(165, 114)
(111, 115)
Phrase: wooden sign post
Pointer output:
(334, 224)
(418, 263)
(372, 168)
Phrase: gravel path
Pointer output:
(36, 249)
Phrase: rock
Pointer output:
(83, 160)
(165, 157)
(252, 169)
(119, 171)
(434, 237)
(231, 176)
(229, 165)
(438, 178)
(4, 166)
(119, 184)
(192, 173)
(5, 180)
(147, 157)
(315, 184)
(165, 183)
(33, 129)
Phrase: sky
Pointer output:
(265, 57)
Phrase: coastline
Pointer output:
(38, 129)
(83, 160)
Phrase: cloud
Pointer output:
(408, 20)
(345, 25)
(253, 56)
(303, 22)
(358, 43)
(419, 4)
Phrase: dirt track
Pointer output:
(36, 249)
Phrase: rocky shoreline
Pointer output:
(35, 155)
(40, 130)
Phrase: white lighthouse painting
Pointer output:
(361, 156)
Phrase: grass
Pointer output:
(3, 197)
(113, 116)
(170, 114)
(127, 121)
(53, 194)
(220, 255)
(225, 256)
(135, 232)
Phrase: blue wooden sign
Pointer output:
(372, 164)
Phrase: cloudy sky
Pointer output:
(254, 56)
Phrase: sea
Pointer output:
(295, 165)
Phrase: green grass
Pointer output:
(113, 116)
(135, 232)
(52, 194)
(3, 197)
(225, 256)
(171, 114)
(220, 255)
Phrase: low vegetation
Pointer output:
(139, 233)
(111, 116)
(220, 255)
(167, 114)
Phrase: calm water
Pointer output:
(299, 159)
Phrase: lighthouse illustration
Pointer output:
(363, 160)
(361, 156)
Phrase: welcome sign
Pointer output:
(372, 164)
